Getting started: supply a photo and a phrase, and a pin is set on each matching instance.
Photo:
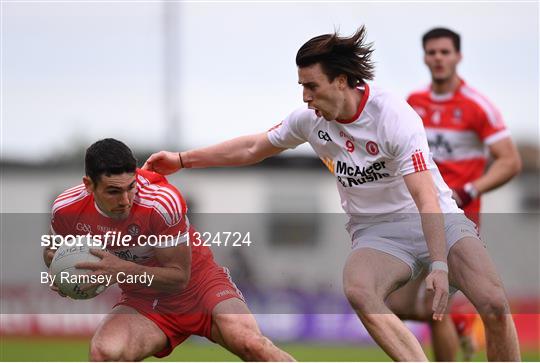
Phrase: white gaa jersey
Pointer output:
(369, 154)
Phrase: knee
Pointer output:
(108, 351)
(362, 298)
(493, 307)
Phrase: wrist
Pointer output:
(438, 265)
(180, 160)
(183, 158)
(471, 190)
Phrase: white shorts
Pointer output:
(403, 237)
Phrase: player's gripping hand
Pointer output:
(461, 197)
(465, 195)
(437, 283)
(164, 162)
(108, 265)
(48, 255)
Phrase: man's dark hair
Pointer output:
(442, 33)
(339, 55)
(109, 157)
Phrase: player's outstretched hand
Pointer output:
(163, 162)
(437, 282)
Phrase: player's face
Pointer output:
(325, 97)
(114, 194)
(441, 58)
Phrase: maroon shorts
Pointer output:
(191, 312)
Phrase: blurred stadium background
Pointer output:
(182, 75)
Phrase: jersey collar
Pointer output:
(437, 97)
(361, 106)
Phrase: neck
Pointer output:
(351, 102)
(445, 86)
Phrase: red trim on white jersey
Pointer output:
(418, 161)
(361, 106)
(275, 126)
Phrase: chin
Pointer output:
(120, 215)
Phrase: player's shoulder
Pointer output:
(382, 97)
(156, 193)
(70, 199)
(475, 96)
(479, 100)
(302, 115)
(419, 94)
(386, 105)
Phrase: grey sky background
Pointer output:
(74, 72)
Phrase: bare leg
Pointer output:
(368, 277)
(235, 328)
(126, 335)
(410, 303)
(473, 272)
(444, 339)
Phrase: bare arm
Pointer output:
(171, 276)
(244, 150)
(424, 193)
(506, 165)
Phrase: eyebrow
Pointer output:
(112, 187)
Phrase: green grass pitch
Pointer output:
(50, 349)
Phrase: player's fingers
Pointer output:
(148, 165)
(98, 252)
(439, 303)
(429, 284)
(88, 265)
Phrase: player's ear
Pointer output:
(342, 81)
(88, 184)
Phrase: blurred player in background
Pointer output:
(190, 293)
(376, 147)
(460, 124)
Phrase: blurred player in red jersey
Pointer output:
(460, 124)
(190, 293)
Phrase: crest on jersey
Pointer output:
(436, 117)
(457, 115)
(134, 229)
(372, 148)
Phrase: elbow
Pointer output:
(517, 166)
(180, 283)
(253, 156)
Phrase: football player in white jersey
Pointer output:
(375, 145)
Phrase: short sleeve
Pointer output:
(168, 218)
(291, 132)
(489, 125)
(407, 139)
(59, 224)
